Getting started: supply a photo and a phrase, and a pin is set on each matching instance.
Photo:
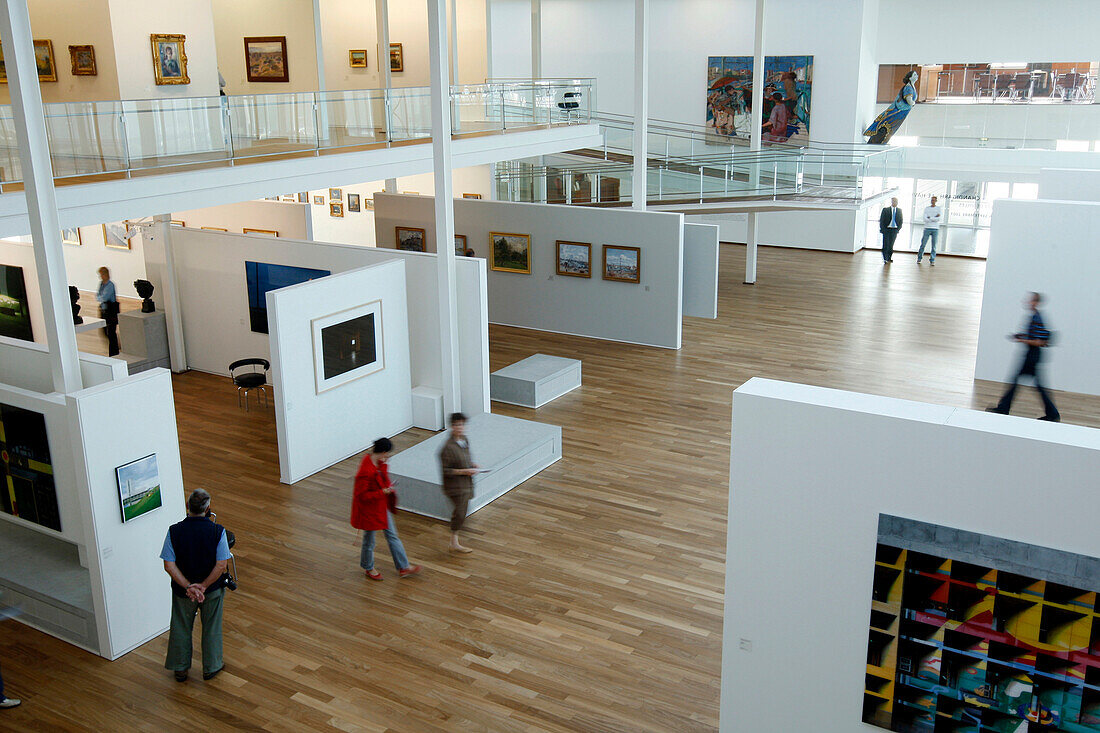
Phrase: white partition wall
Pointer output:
(800, 553)
(319, 424)
(1049, 247)
(1067, 184)
(648, 313)
(701, 270)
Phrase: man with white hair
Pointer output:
(195, 555)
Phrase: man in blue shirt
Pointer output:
(108, 309)
(1034, 338)
(195, 555)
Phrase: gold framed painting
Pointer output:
(318, 200)
(262, 232)
(411, 239)
(574, 259)
(116, 235)
(471, 195)
(177, 223)
(265, 58)
(83, 60)
(460, 245)
(357, 58)
(336, 208)
(169, 58)
(397, 57)
(44, 61)
(335, 193)
(71, 236)
(622, 264)
(214, 229)
(510, 252)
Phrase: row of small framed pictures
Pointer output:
(116, 235)
(81, 57)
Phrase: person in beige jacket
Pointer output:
(458, 477)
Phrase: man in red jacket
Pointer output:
(370, 511)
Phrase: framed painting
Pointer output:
(214, 229)
(335, 193)
(261, 232)
(397, 57)
(368, 203)
(318, 200)
(347, 345)
(265, 58)
(574, 259)
(303, 197)
(622, 264)
(44, 60)
(460, 245)
(336, 208)
(117, 235)
(353, 202)
(471, 195)
(169, 58)
(138, 487)
(15, 317)
(357, 58)
(177, 223)
(510, 252)
(410, 239)
(71, 236)
(82, 59)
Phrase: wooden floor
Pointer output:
(594, 599)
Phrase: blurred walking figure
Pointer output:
(458, 477)
(1035, 337)
(371, 510)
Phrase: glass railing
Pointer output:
(140, 136)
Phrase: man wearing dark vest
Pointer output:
(195, 554)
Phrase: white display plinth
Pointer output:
(535, 380)
(513, 450)
(427, 408)
(89, 324)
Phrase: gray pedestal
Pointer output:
(143, 338)
(514, 450)
(535, 381)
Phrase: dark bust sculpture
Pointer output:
(74, 295)
(144, 289)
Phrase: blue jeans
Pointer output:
(929, 233)
(366, 555)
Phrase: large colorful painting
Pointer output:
(729, 94)
(976, 633)
(26, 472)
(15, 314)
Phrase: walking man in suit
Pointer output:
(889, 223)
(458, 477)
(1035, 338)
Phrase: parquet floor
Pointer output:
(594, 599)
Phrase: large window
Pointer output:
(1071, 82)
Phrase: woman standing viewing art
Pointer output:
(887, 123)
(370, 511)
(108, 309)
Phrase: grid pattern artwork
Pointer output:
(971, 638)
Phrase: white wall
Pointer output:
(212, 286)
(1048, 247)
(288, 219)
(1063, 184)
(27, 366)
(839, 230)
(800, 548)
(235, 19)
(646, 313)
(129, 585)
(701, 270)
(315, 429)
(131, 23)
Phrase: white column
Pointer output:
(318, 42)
(641, 103)
(169, 295)
(34, 154)
(454, 41)
(488, 39)
(536, 39)
(444, 205)
(750, 251)
(757, 117)
(382, 28)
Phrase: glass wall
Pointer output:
(1044, 82)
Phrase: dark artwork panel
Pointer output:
(976, 633)
(348, 345)
(26, 473)
(15, 315)
(263, 277)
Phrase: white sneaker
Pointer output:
(8, 702)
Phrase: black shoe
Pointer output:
(212, 675)
(997, 410)
(1051, 418)
(181, 675)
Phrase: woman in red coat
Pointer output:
(370, 510)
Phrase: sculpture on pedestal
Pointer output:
(887, 123)
(144, 290)
(74, 296)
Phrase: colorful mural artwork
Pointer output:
(965, 645)
(729, 95)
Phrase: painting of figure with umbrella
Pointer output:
(729, 96)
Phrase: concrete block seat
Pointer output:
(534, 381)
(514, 450)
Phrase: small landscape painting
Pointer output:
(510, 252)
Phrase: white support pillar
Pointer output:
(318, 43)
(170, 296)
(641, 104)
(750, 251)
(488, 39)
(757, 117)
(536, 39)
(454, 41)
(34, 154)
(382, 33)
(444, 205)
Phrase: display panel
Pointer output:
(138, 487)
(263, 277)
(26, 471)
(976, 633)
(347, 345)
(15, 315)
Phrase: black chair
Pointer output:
(248, 381)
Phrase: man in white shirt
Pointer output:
(932, 216)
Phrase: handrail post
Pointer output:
(775, 179)
(700, 184)
(568, 179)
(125, 138)
(316, 126)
